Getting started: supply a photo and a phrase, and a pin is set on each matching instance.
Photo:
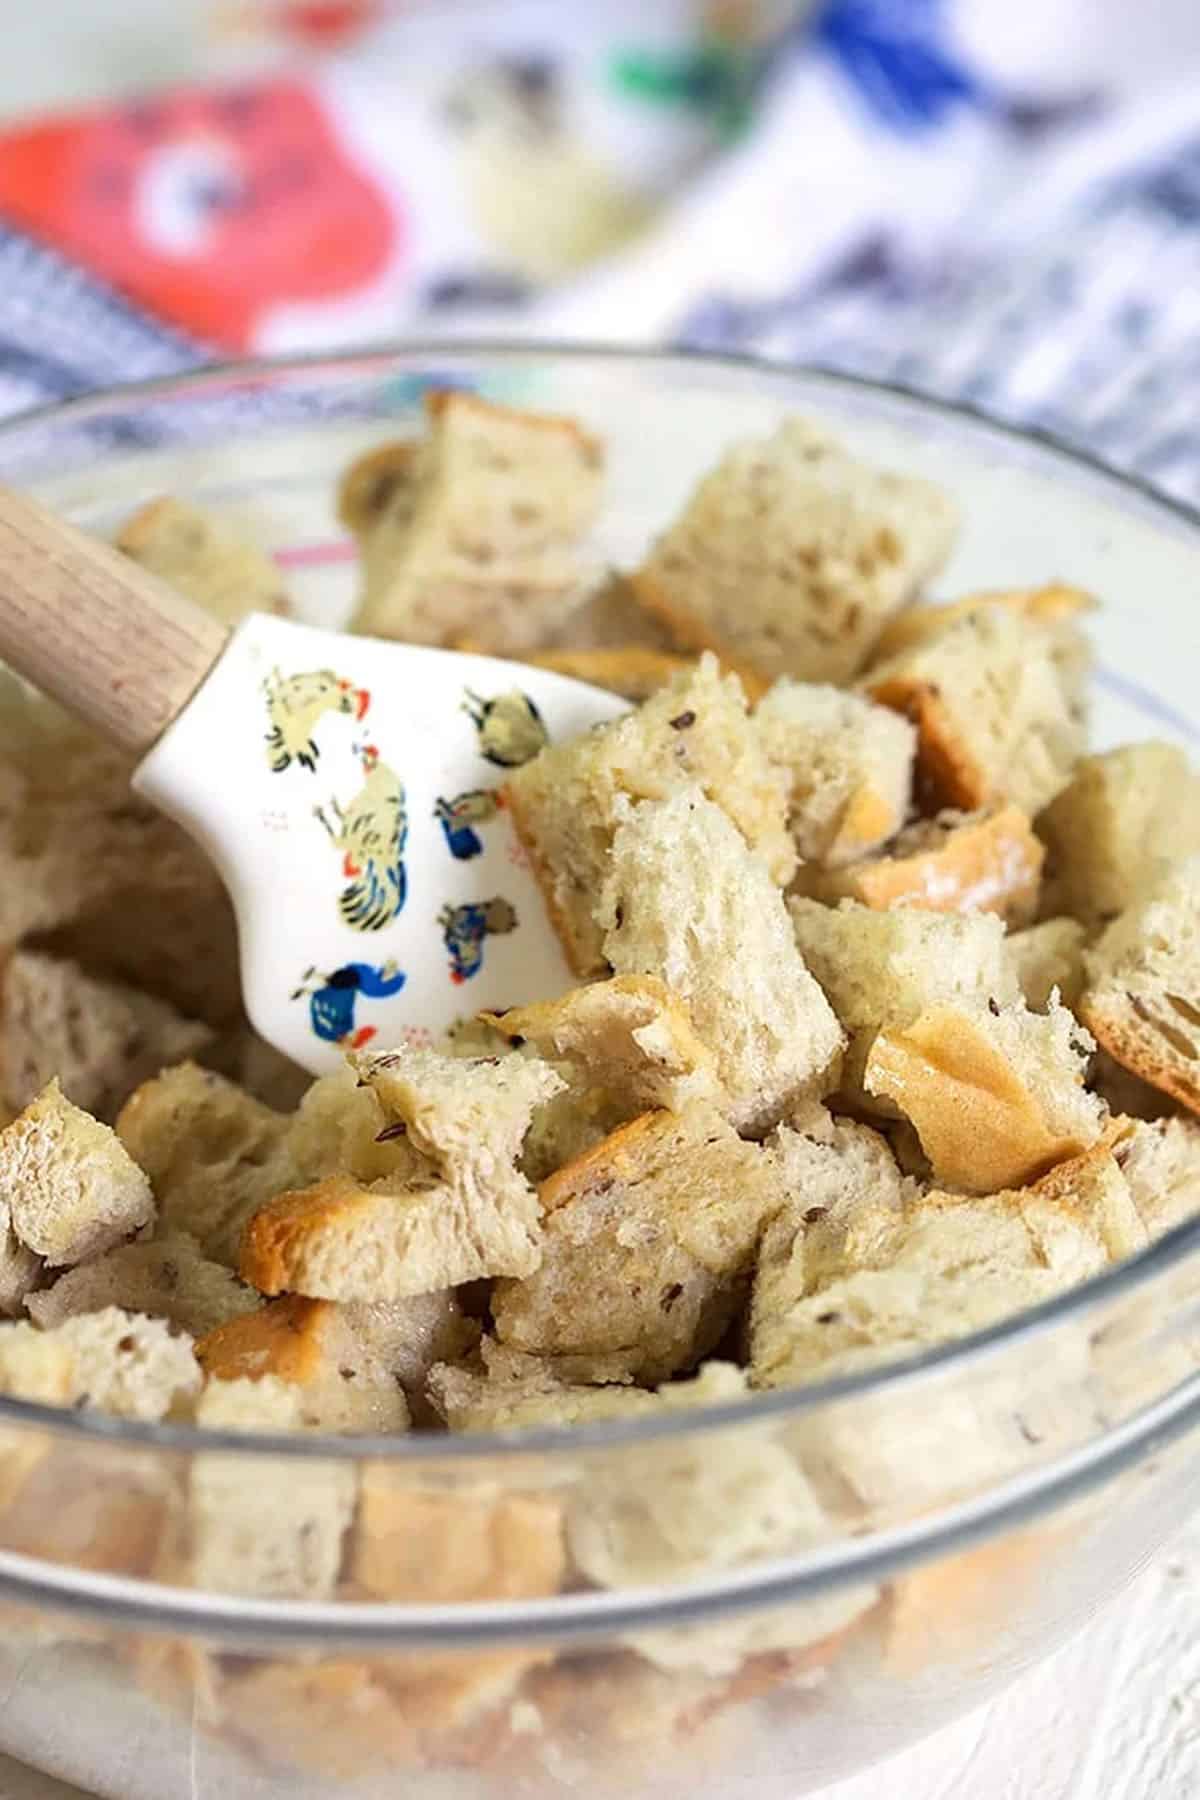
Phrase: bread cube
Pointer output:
(1123, 818)
(127, 1365)
(341, 1382)
(70, 1188)
(685, 901)
(355, 1366)
(212, 1153)
(952, 1265)
(1142, 993)
(168, 1278)
(685, 1509)
(844, 1205)
(1160, 1160)
(99, 1038)
(996, 1094)
(117, 1362)
(566, 802)
(509, 1390)
(466, 1116)
(647, 1246)
(461, 1212)
(880, 970)
(848, 765)
(998, 703)
(430, 1546)
(481, 532)
(790, 556)
(109, 885)
(382, 480)
(261, 1526)
(204, 557)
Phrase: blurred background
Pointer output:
(994, 200)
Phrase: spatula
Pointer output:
(347, 789)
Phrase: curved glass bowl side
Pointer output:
(608, 1608)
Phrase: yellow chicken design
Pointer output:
(295, 706)
(371, 834)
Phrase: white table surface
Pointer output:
(1114, 1716)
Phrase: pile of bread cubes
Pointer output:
(887, 1021)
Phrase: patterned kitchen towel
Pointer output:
(997, 204)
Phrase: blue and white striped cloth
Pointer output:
(995, 204)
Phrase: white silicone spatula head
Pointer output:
(349, 790)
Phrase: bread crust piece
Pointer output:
(999, 705)
(210, 562)
(647, 1245)
(1142, 995)
(1137, 1035)
(481, 534)
(997, 1098)
(630, 1035)
(567, 802)
(989, 861)
(789, 556)
(1056, 601)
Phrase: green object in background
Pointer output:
(716, 79)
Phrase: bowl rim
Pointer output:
(1076, 1303)
(241, 1624)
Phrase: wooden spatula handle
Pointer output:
(118, 647)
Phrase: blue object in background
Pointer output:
(897, 57)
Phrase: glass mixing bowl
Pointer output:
(975, 1505)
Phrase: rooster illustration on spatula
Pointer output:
(371, 833)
